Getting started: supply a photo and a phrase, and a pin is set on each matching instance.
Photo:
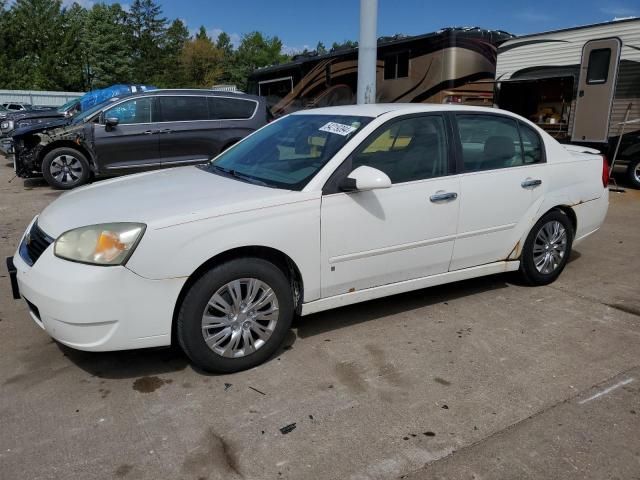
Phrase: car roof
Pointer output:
(377, 109)
(196, 91)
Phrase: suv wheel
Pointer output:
(65, 168)
(236, 315)
(547, 249)
(633, 173)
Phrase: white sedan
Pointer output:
(320, 209)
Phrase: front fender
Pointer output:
(178, 250)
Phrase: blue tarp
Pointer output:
(95, 97)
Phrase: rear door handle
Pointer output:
(530, 182)
(443, 197)
(149, 132)
(166, 130)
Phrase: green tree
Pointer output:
(344, 45)
(255, 50)
(201, 62)
(320, 48)
(147, 28)
(202, 34)
(107, 54)
(172, 74)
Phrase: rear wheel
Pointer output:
(236, 315)
(633, 173)
(65, 168)
(547, 249)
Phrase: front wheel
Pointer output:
(65, 168)
(547, 249)
(236, 315)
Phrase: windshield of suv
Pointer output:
(67, 106)
(87, 114)
(288, 153)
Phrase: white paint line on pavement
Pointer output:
(606, 390)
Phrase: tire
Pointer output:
(633, 173)
(220, 282)
(65, 168)
(553, 253)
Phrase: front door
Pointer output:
(501, 187)
(404, 232)
(133, 143)
(596, 86)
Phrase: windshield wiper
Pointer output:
(231, 172)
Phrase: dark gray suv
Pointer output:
(149, 130)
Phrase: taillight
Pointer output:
(605, 171)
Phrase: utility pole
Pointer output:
(367, 51)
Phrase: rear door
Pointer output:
(133, 143)
(186, 133)
(596, 87)
(501, 186)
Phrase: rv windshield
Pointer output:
(288, 153)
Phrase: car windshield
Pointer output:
(67, 106)
(288, 153)
(93, 110)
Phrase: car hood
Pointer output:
(34, 114)
(160, 199)
(46, 124)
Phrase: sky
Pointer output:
(301, 24)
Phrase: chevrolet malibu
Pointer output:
(320, 209)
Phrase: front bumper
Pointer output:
(6, 146)
(97, 308)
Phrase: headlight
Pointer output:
(105, 244)
(8, 125)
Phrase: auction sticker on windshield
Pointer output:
(339, 128)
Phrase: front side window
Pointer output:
(222, 108)
(598, 69)
(489, 142)
(407, 150)
(183, 108)
(139, 110)
(290, 152)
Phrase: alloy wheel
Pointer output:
(66, 169)
(240, 317)
(549, 247)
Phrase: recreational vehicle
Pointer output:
(439, 67)
(582, 85)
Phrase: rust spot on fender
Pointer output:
(515, 252)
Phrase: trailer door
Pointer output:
(597, 83)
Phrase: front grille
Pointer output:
(34, 243)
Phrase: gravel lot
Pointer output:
(481, 379)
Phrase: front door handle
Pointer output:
(441, 196)
(166, 130)
(148, 132)
(530, 182)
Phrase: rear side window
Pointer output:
(489, 142)
(531, 145)
(222, 108)
(598, 69)
(183, 108)
(139, 110)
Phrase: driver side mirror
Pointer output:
(111, 122)
(365, 178)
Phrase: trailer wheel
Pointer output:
(633, 173)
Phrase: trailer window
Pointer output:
(396, 65)
(598, 69)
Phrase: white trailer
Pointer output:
(579, 84)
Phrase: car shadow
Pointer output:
(333, 320)
(157, 361)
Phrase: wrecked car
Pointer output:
(143, 131)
